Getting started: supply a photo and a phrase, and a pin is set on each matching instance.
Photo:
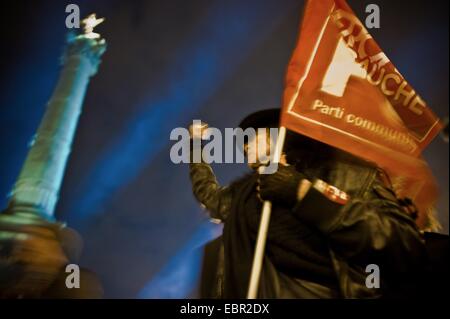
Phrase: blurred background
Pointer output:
(169, 62)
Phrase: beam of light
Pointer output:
(178, 278)
(203, 64)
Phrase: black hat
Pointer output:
(269, 118)
(298, 147)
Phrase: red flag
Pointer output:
(341, 89)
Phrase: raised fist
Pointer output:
(197, 129)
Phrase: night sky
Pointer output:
(169, 62)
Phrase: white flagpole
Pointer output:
(263, 227)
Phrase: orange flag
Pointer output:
(342, 89)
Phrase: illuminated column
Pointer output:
(37, 187)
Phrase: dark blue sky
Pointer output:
(167, 63)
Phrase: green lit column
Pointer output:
(34, 247)
(38, 184)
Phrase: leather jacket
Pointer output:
(373, 224)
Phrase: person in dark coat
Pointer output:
(334, 217)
